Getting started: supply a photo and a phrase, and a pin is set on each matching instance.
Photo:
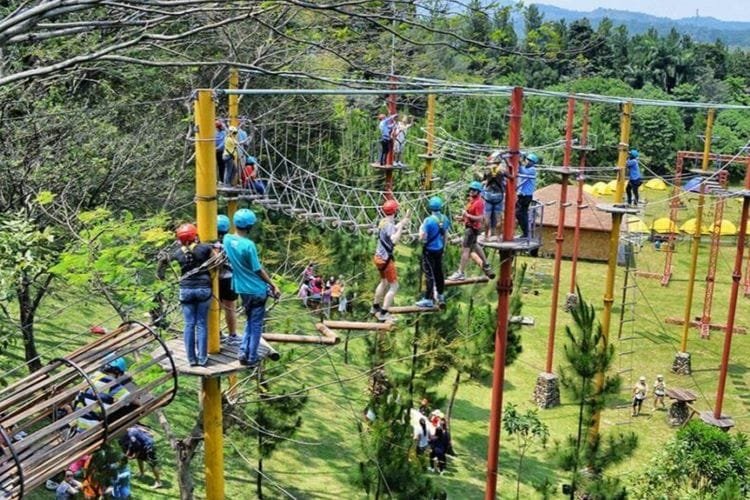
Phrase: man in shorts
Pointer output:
(139, 444)
(472, 217)
(389, 232)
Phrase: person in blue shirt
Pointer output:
(525, 190)
(121, 482)
(634, 177)
(432, 233)
(139, 444)
(385, 126)
(250, 281)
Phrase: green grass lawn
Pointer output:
(323, 457)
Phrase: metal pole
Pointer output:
(560, 236)
(579, 199)
(504, 288)
(234, 111)
(614, 239)
(205, 191)
(429, 159)
(697, 234)
(736, 276)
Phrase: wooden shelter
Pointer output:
(69, 408)
(595, 226)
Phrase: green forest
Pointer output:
(97, 169)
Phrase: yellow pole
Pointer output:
(234, 106)
(431, 104)
(205, 190)
(695, 245)
(614, 240)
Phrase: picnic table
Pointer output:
(681, 409)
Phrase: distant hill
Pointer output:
(702, 29)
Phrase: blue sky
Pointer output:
(728, 10)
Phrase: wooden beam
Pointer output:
(357, 325)
(412, 309)
(467, 281)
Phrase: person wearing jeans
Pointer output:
(525, 190)
(250, 281)
(195, 290)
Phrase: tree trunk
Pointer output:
(452, 400)
(26, 312)
(185, 449)
(260, 479)
(518, 476)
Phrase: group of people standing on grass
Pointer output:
(431, 435)
(323, 292)
(241, 275)
(640, 392)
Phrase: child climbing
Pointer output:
(432, 233)
(472, 218)
(494, 195)
(389, 232)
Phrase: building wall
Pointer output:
(594, 244)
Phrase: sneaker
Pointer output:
(488, 271)
(385, 317)
(375, 310)
(156, 485)
(426, 303)
(51, 485)
(231, 339)
(441, 299)
(457, 276)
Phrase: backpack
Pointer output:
(441, 222)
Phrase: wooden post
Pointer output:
(504, 289)
(205, 189)
(696, 235)
(614, 240)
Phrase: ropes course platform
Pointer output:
(225, 362)
(467, 281)
(387, 167)
(412, 309)
(76, 404)
(357, 325)
(724, 423)
(514, 245)
(617, 209)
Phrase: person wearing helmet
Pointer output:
(525, 192)
(494, 195)
(399, 139)
(250, 281)
(660, 390)
(634, 177)
(472, 218)
(227, 296)
(195, 290)
(639, 394)
(221, 135)
(389, 232)
(432, 233)
(249, 176)
(386, 124)
(231, 156)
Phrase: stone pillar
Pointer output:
(682, 364)
(547, 391)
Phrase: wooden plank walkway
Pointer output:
(467, 281)
(225, 362)
(357, 325)
(412, 309)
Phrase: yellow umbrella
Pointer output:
(611, 187)
(656, 184)
(588, 189)
(726, 228)
(636, 225)
(599, 189)
(689, 227)
(664, 225)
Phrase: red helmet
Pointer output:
(186, 233)
(219, 125)
(390, 207)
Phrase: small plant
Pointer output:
(528, 429)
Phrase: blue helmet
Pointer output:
(533, 158)
(115, 366)
(435, 204)
(634, 153)
(476, 186)
(244, 218)
(222, 223)
(251, 160)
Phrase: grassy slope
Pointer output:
(324, 457)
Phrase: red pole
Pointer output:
(504, 288)
(560, 236)
(736, 276)
(579, 199)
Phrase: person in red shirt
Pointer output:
(472, 218)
